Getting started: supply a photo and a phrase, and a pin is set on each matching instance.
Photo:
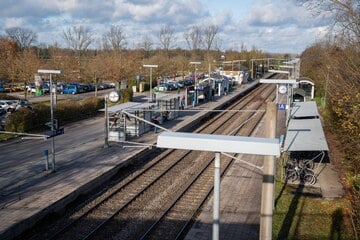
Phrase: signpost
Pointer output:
(52, 120)
(54, 133)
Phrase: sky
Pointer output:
(275, 26)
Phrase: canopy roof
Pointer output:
(305, 135)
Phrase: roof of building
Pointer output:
(305, 135)
(166, 96)
(122, 106)
(304, 110)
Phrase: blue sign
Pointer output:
(54, 133)
(282, 106)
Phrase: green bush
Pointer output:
(66, 111)
(126, 95)
(20, 121)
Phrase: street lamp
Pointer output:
(196, 83)
(52, 120)
(151, 67)
(195, 63)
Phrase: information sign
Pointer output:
(54, 133)
(281, 106)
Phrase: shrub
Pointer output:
(20, 121)
(66, 111)
(126, 95)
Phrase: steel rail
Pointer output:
(104, 222)
(153, 227)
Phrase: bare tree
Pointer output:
(167, 37)
(346, 12)
(115, 38)
(146, 45)
(193, 37)
(24, 37)
(78, 38)
(209, 35)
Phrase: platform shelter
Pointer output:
(121, 125)
(169, 105)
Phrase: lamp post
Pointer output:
(151, 67)
(195, 79)
(195, 63)
(52, 120)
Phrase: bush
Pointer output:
(66, 111)
(4, 96)
(20, 121)
(126, 95)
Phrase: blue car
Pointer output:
(70, 89)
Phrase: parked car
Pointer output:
(32, 88)
(45, 88)
(162, 87)
(70, 89)
(25, 103)
(172, 86)
(3, 104)
(8, 105)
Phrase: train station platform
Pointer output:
(28, 193)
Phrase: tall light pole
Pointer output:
(195, 63)
(52, 120)
(151, 67)
(195, 79)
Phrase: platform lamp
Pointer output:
(151, 67)
(195, 63)
(52, 120)
(195, 79)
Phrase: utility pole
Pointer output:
(268, 185)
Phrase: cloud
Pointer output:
(283, 13)
(264, 23)
(14, 22)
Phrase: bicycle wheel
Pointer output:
(306, 164)
(310, 178)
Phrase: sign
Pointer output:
(54, 133)
(281, 106)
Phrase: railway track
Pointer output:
(160, 199)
